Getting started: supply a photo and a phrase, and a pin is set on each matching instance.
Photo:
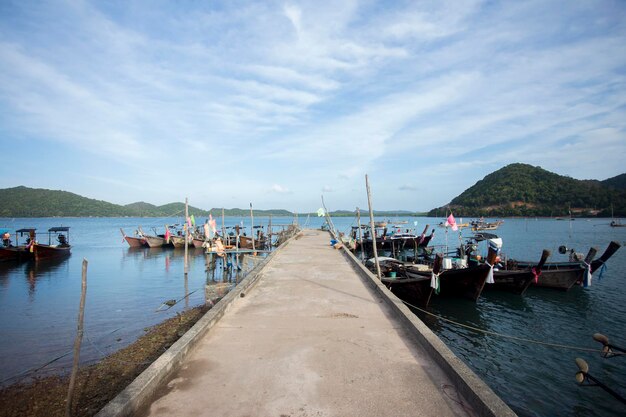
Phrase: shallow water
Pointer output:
(534, 379)
(126, 289)
(38, 308)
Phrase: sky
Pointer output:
(277, 103)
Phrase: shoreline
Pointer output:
(97, 383)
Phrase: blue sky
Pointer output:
(279, 102)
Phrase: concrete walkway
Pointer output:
(310, 339)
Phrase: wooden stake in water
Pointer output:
(77, 341)
(369, 203)
(252, 226)
(186, 235)
(358, 220)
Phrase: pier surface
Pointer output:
(310, 339)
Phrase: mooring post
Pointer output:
(252, 226)
(77, 341)
(186, 235)
(358, 220)
(369, 203)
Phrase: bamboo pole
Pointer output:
(369, 203)
(77, 341)
(186, 237)
(358, 219)
(269, 233)
(252, 225)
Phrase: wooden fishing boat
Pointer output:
(465, 282)
(17, 252)
(481, 224)
(153, 241)
(62, 248)
(517, 280)
(395, 242)
(134, 241)
(564, 275)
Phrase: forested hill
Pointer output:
(37, 202)
(525, 190)
(618, 182)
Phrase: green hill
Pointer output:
(37, 202)
(618, 182)
(524, 190)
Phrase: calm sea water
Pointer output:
(38, 308)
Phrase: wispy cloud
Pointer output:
(201, 100)
(280, 189)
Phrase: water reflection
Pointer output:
(36, 270)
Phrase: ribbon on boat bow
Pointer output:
(602, 269)
(536, 273)
(434, 282)
(490, 274)
(588, 276)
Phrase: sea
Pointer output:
(523, 347)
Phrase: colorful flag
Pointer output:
(320, 212)
(193, 221)
(167, 235)
(212, 223)
(452, 223)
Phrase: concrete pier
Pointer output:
(312, 338)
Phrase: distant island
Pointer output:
(524, 190)
(515, 190)
(38, 202)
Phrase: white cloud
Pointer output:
(280, 189)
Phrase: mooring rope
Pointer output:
(521, 339)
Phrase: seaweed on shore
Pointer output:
(99, 383)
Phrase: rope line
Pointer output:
(521, 339)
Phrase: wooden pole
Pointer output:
(369, 203)
(358, 220)
(252, 225)
(77, 341)
(269, 233)
(186, 236)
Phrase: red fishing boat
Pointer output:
(62, 248)
(17, 252)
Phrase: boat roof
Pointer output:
(59, 229)
(25, 229)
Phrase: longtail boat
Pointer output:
(152, 241)
(517, 280)
(17, 252)
(416, 290)
(465, 282)
(62, 248)
(564, 275)
(134, 241)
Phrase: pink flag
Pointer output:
(452, 223)
(167, 235)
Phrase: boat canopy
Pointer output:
(26, 230)
(58, 229)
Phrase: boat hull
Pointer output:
(516, 282)
(416, 291)
(42, 252)
(463, 282)
(154, 241)
(14, 253)
(135, 242)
